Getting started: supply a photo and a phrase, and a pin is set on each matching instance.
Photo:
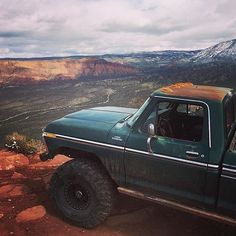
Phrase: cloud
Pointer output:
(154, 28)
(12, 34)
(50, 28)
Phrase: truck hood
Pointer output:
(90, 124)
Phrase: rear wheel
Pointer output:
(83, 192)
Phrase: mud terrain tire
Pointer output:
(83, 192)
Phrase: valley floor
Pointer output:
(28, 109)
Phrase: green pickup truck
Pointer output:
(178, 149)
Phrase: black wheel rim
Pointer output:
(77, 196)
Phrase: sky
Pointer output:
(37, 28)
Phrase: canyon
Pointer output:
(21, 72)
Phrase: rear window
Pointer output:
(190, 110)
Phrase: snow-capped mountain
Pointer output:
(150, 59)
(221, 51)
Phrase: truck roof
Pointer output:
(191, 91)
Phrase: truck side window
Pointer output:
(177, 120)
(162, 107)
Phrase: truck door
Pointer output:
(174, 161)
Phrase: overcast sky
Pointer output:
(30, 28)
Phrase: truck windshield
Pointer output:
(136, 115)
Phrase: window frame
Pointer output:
(206, 122)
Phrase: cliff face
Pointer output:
(17, 72)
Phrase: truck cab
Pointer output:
(179, 146)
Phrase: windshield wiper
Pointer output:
(128, 117)
(125, 119)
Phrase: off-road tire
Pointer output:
(83, 192)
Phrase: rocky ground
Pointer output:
(26, 209)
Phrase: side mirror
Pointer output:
(151, 129)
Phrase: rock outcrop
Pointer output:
(18, 166)
(18, 72)
(9, 162)
(31, 214)
(40, 168)
(18, 176)
(13, 191)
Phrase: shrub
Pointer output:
(22, 144)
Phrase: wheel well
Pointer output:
(74, 153)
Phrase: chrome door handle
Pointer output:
(149, 148)
(192, 154)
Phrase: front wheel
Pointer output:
(83, 192)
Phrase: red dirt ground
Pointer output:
(130, 216)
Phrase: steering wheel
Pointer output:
(164, 128)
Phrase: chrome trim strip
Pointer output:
(128, 149)
(213, 166)
(229, 170)
(228, 177)
(166, 157)
(89, 142)
(180, 206)
(229, 165)
(197, 101)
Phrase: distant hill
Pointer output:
(147, 60)
(20, 72)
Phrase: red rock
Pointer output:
(13, 190)
(5, 182)
(18, 160)
(67, 69)
(50, 164)
(41, 168)
(17, 175)
(31, 214)
(6, 153)
(9, 161)
(1, 215)
(35, 158)
(6, 168)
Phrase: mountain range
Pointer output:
(223, 51)
(214, 63)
